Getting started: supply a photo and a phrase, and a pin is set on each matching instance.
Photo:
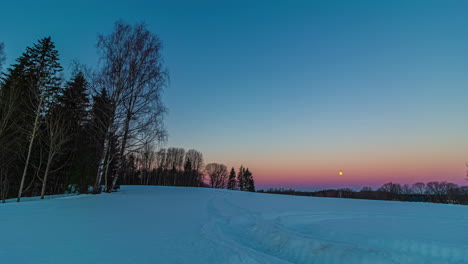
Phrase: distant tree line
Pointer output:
(434, 192)
(177, 167)
(170, 167)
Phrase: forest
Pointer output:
(99, 128)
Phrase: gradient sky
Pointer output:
(295, 90)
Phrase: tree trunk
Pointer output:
(44, 181)
(122, 151)
(101, 166)
(106, 172)
(33, 135)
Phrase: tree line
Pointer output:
(177, 167)
(57, 133)
(94, 130)
(435, 192)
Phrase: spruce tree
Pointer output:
(38, 75)
(75, 100)
(249, 181)
(79, 154)
(241, 178)
(232, 180)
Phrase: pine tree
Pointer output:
(232, 180)
(241, 178)
(249, 181)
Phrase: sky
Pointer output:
(295, 90)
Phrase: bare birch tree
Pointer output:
(132, 72)
(56, 136)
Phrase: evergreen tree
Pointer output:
(249, 181)
(241, 178)
(75, 100)
(35, 79)
(75, 104)
(232, 180)
(12, 106)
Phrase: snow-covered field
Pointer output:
(191, 225)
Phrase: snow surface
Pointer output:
(142, 224)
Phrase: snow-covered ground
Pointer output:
(190, 225)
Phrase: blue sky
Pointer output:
(296, 90)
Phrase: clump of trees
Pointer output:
(58, 135)
(219, 178)
(435, 192)
(245, 180)
(98, 129)
(168, 167)
(177, 167)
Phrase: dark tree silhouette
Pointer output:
(249, 181)
(218, 175)
(232, 180)
(133, 73)
(40, 68)
(241, 178)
